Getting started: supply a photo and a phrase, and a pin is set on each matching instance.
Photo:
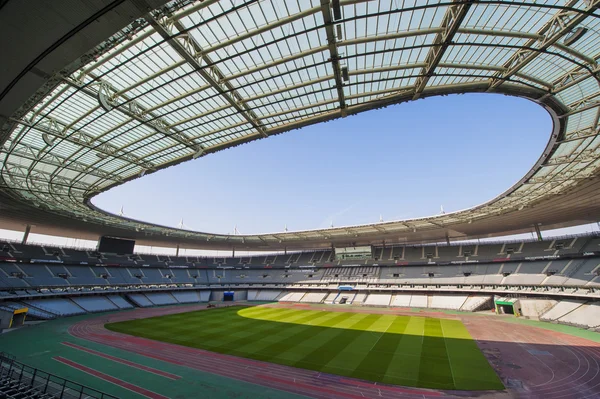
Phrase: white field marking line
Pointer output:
(524, 345)
(446, 346)
(584, 354)
(569, 389)
(597, 371)
(591, 380)
(577, 356)
(388, 327)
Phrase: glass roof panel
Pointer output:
(234, 71)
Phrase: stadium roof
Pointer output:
(102, 94)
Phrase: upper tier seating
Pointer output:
(577, 272)
(381, 255)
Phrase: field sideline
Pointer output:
(403, 350)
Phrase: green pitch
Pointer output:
(402, 350)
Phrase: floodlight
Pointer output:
(49, 140)
(574, 35)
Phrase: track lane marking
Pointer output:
(113, 380)
(123, 361)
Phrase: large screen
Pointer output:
(114, 245)
(353, 253)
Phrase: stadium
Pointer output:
(95, 95)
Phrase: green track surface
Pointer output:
(36, 346)
(404, 350)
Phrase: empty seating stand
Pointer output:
(161, 298)
(120, 302)
(186, 296)
(95, 303)
(11, 389)
(140, 300)
(58, 306)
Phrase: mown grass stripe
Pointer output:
(267, 328)
(470, 368)
(201, 336)
(404, 366)
(406, 350)
(434, 368)
(376, 363)
(294, 347)
(284, 332)
(334, 342)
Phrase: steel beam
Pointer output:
(133, 110)
(62, 130)
(451, 21)
(334, 57)
(583, 104)
(555, 29)
(187, 47)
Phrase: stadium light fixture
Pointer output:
(198, 153)
(103, 98)
(49, 140)
(574, 35)
(337, 9)
(345, 74)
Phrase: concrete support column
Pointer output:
(177, 250)
(26, 234)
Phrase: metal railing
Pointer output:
(44, 382)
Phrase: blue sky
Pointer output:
(400, 162)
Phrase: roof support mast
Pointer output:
(451, 21)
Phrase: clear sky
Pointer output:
(401, 162)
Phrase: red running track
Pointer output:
(533, 363)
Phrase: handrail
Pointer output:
(45, 382)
